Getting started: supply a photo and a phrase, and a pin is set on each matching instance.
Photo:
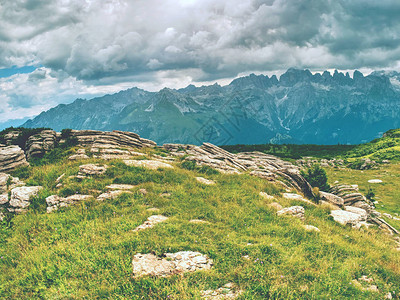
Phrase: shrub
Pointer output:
(317, 177)
(370, 195)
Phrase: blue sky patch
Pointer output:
(14, 70)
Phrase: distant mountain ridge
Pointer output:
(299, 107)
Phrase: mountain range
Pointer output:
(299, 107)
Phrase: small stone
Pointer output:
(165, 195)
(151, 222)
(372, 288)
(205, 181)
(153, 209)
(311, 228)
(366, 279)
(292, 196)
(60, 178)
(143, 191)
(375, 181)
(197, 221)
(120, 186)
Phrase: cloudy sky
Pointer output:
(55, 51)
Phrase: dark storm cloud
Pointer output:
(96, 40)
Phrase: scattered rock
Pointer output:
(205, 181)
(375, 181)
(54, 202)
(20, 196)
(228, 291)
(151, 222)
(111, 195)
(148, 164)
(174, 263)
(58, 180)
(294, 211)
(311, 228)
(372, 288)
(365, 278)
(92, 170)
(275, 205)
(266, 196)
(165, 195)
(12, 157)
(120, 186)
(153, 209)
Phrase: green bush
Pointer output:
(317, 177)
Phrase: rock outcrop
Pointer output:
(104, 139)
(12, 157)
(37, 145)
(257, 163)
(20, 197)
(173, 263)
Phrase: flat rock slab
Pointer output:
(294, 211)
(205, 181)
(54, 202)
(346, 217)
(291, 196)
(78, 157)
(92, 169)
(151, 222)
(375, 181)
(266, 196)
(120, 186)
(112, 195)
(173, 263)
(197, 221)
(331, 198)
(228, 291)
(148, 164)
(20, 195)
(362, 212)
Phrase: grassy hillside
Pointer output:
(85, 251)
(385, 148)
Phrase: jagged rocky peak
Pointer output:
(253, 81)
(293, 76)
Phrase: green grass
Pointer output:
(85, 251)
(386, 193)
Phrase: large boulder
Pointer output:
(37, 145)
(331, 198)
(12, 157)
(20, 196)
